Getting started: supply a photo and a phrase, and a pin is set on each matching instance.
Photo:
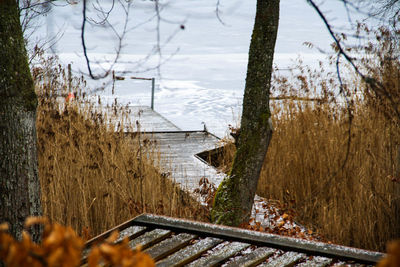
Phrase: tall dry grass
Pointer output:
(355, 204)
(93, 176)
(349, 194)
(343, 181)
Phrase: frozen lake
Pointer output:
(203, 69)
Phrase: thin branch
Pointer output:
(105, 14)
(375, 85)
(158, 45)
(217, 12)
(83, 40)
(120, 37)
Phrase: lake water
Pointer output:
(202, 75)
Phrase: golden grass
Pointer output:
(95, 177)
(352, 200)
(92, 176)
(355, 205)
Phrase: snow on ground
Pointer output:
(269, 216)
(266, 215)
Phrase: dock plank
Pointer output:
(253, 258)
(287, 259)
(169, 246)
(177, 148)
(139, 118)
(189, 253)
(131, 232)
(178, 155)
(220, 255)
(316, 262)
(150, 238)
(150, 120)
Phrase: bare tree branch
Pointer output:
(217, 12)
(375, 85)
(104, 21)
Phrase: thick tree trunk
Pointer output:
(396, 190)
(19, 182)
(235, 196)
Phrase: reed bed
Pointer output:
(351, 201)
(93, 175)
(339, 172)
(345, 190)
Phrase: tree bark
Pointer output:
(19, 182)
(235, 196)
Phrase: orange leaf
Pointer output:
(144, 260)
(138, 247)
(4, 227)
(26, 240)
(114, 236)
(35, 220)
(94, 257)
(55, 258)
(54, 238)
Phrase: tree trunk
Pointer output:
(19, 184)
(396, 202)
(235, 196)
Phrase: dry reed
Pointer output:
(93, 176)
(351, 199)
(354, 205)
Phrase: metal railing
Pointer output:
(153, 82)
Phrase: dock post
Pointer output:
(69, 78)
(152, 92)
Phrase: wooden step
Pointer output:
(189, 253)
(169, 246)
(220, 255)
(253, 258)
(150, 238)
(287, 259)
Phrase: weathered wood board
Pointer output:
(189, 253)
(149, 238)
(169, 246)
(288, 259)
(219, 255)
(178, 149)
(253, 258)
(178, 156)
(150, 120)
(138, 118)
(177, 242)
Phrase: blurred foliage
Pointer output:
(62, 247)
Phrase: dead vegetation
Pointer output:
(341, 176)
(62, 247)
(93, 176)
(354, 204)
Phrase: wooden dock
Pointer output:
(179, 155)
(150, 120)
(177, 242)
(178, 148)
